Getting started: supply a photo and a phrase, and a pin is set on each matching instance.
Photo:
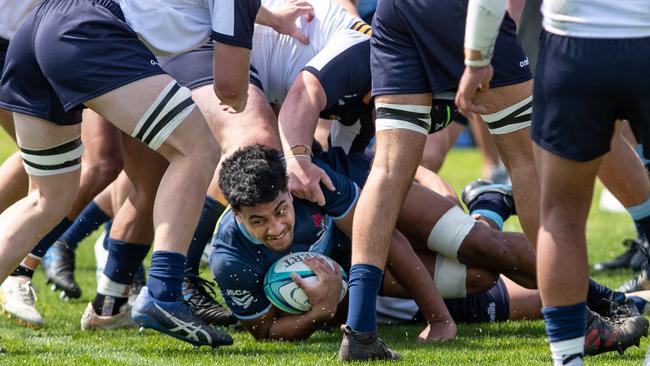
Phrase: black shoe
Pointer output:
(474, 189)
(59, 270)
(639, 282)
(363, 346)
(617, 307)
(606, 335)
(199, 295)
(622, 261)
(640, 258)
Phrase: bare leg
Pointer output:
(486, 146)
(567, 188)
(13, 180)
(49, 198)
(438, 145)
(525, 304)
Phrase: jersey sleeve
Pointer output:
(233, 21)
(339, 202)
(242, 288)
(343, 66)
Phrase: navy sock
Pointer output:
(166, 275)
(363, 286)
(88, 221)
(204, 230)
(565, 322)
(641, 216)
(49, 239)
(493, 206)
(639, 233)
(596, 292)
(639, 302)
(107, 230)
(124, 260)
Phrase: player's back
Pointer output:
(279, 58)
(597, 18)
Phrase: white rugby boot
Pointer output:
(17, 301)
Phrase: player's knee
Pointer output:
(484, 246)
(102, 172)
(480, 280)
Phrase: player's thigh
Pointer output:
(129, 106)
(143, 166)
(52, 156)
(257, 124)
(101, 139)
(7, 123)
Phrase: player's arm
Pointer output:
(281, 326)
(484, 18)
(233, 41)
(297, 122)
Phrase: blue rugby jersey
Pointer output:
(239, 262)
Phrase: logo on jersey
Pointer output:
(241, 298)
(321, 222)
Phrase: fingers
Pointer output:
(302, 38)
(318, 196)
(320, 267)
(297, 279)
(325, 179)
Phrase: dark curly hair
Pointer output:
(252, 175)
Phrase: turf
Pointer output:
(61, 342)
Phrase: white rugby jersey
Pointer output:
(12, 13)
(597, 18)
(277, 59)
(170, 27)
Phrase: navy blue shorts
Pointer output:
(67, 52)
(191, 69)
(582, 86)
(417, 47)
(4, 46)
(492, 305)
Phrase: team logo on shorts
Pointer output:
(524, 63)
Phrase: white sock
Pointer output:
(107, 287)
(563, 349)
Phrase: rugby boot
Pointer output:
(623, 260)
(363, 346)
(640, 258)
(59, 263)
(606, 335)
(474, 189)
(176, 320)
(199, 294)
(90, 320)
(639, 282)
(617, 307)
(139, 281)
(18, 301)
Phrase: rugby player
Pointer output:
(265, 223)
(580, 91)
(47, 100)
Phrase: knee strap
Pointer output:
(450, 277)
(166, 113)
(511, 119)
(403, 116)
(449, 232)
(59, 159)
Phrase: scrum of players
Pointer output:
(261, 128)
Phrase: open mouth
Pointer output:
(277, 237)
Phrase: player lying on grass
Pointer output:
(266, 222)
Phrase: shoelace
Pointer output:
(27, 293)
(205, 292)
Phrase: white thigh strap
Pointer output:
(450, 277)
(449, 232)
(403, 116)
(510, 119)
(59, 159)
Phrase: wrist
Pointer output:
(475, 58)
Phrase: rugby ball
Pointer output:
(283, 293)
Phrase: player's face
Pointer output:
(271, 223)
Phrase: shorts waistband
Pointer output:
(112, 6)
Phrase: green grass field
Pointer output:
(61, 342)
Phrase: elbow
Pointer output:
(230, 92)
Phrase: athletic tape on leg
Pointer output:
(59, 159)
(403, 116)
(510, 119)
(450, 277)
(449, 232)
(166, 113)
